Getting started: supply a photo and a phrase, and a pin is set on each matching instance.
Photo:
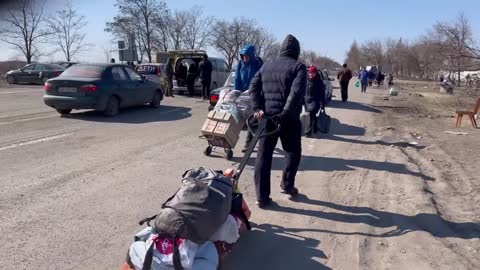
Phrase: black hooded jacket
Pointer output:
(279, 86)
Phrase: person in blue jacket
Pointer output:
(247, 68)
(364, 76)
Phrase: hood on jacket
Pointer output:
(290, 47)
(248, 50)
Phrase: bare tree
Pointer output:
(354, 56)
(264, 42)
(177, 26)
(373, 52)
(455, 41)
(23, 27)
(66, 25)
(138, 17)
(198, 29)
(230, 37)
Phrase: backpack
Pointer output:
(195, 212)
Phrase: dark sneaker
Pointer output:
(264, 203)
(292, 192)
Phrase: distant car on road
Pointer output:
(67, 64)
(34, 73)
(154, 72)
(328, 84)
(102, 87)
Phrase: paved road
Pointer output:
(73, 189)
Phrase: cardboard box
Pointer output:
(228, 131)
(209, 126)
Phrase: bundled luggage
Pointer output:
(195, 227)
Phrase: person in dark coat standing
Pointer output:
(191, 77)
(314, 99)
(248, 66)
(278, 91)
(205, 74)
(344, 76)
(169, 75)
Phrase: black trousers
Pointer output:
(312, 123)
(206, 88)
(290, 136)
(344, 90)
(191, 83)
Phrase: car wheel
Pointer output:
(44, 80)
(64, 111)
(157, 98)
(113, 107)
(11, 79)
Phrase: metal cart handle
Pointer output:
(274, 120)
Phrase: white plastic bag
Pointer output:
(229, 232)
(163, 250)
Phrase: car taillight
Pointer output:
(89, 88)
(214, 98)
(47, 86)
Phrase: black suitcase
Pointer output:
(324, 122)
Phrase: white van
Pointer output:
(220, 70)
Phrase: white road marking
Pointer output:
(40, 140)
(28, 119)
(30, 91)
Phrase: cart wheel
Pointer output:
(228, 154)
(207, 151)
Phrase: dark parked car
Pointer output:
(34, 73)
(67, 64)
(102, 87)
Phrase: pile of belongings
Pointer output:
(235, 102)
(195, 228)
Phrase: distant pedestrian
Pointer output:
(314, 99)
(344, 76)
(364, 78)
(205, 73)
(247, 67)
(278, 91)
(169, 75)
(191, 78)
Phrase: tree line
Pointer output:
(155, 28)
(447, 47)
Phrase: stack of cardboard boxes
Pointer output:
(222, 125)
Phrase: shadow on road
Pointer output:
(270, 247)
(331, 164)
(136, 115)
(377, 142)
(338, 128)
(430, 223)
(352, 106)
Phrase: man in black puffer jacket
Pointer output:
(278, 90)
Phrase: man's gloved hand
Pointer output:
(282, 116)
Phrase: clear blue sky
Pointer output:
(327, 27)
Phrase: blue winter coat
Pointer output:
(363, 76)
(245, 71)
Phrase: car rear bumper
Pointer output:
(62, 102)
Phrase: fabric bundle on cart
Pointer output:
(235, 102)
